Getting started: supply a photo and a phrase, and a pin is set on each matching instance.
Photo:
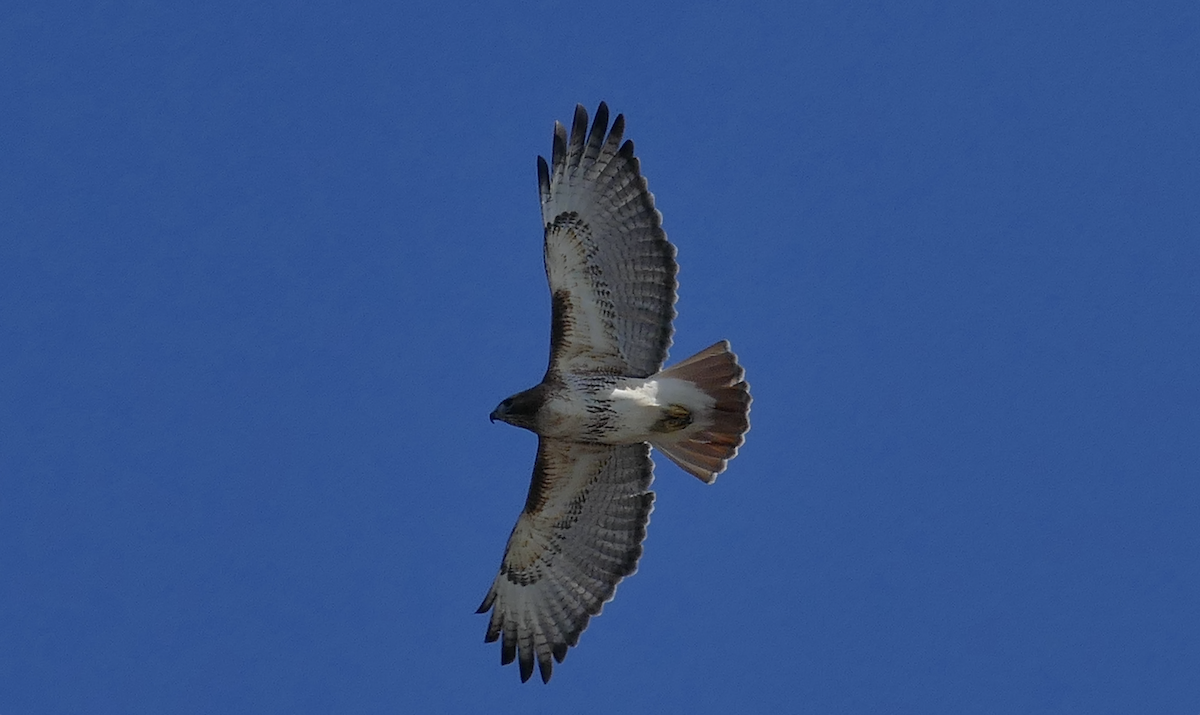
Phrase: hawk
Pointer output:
(605, 398)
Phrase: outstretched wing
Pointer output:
(610, 266)
(580, 533)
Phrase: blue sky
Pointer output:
(265, 269)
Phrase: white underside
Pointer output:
(639, 404)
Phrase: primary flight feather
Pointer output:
(605, 398)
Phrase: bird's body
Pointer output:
(605, 398)
(605, 409)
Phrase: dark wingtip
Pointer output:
(488, 600)
(543, 170)
(600, 121)
(526, 667)
(579, 127)
(558, 152)
(618, 126)
(599, 127)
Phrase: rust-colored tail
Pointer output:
(706, 447)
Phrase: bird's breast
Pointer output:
(583, 410)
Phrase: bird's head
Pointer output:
(521, 409)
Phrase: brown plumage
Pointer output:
(706, 452)
(604, 399)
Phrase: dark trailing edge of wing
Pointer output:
(585, 164)
(512, 647)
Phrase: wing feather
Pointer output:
(609, 263)
(570, 548)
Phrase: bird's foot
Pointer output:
(675, 418)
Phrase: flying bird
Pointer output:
(605, 398)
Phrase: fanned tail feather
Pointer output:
(704, 452)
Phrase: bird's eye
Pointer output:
(507, 403)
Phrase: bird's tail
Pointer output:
(714, 434)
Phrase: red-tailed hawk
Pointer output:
(605, 399)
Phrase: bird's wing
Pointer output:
(610, 266)
(580, 533)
